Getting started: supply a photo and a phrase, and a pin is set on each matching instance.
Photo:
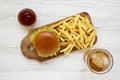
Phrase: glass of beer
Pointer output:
(98, 60)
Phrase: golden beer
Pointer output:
(98, 60)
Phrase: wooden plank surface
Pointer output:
(105, 16)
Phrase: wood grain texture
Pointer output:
(105, 16)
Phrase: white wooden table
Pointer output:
(105, 15)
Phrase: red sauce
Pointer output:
(27, 17)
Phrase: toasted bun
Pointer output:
(46, 42)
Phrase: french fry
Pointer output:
(92, 42)
(75, 32)
(70, 49)
(55, 25)
(66, 48)
(91, 29)
(75, 20)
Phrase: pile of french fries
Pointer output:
(75, 31)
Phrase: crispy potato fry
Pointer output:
(93, 39)
(65, 20)
(75, 31)
(66, 48)
(70, 49)
(75, 20)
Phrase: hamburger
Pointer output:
(46, 42)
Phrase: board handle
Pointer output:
(27, 47)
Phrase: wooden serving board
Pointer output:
(29, 51)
